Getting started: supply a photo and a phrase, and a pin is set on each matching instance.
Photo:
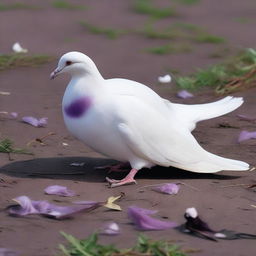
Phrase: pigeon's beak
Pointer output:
(55, 73)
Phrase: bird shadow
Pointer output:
(63, 168)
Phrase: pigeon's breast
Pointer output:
(78, 107)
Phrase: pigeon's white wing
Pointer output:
(164, 141)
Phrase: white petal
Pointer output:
(164, 79)
(18, 49)
(192, 212)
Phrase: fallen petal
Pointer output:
(110, 203)
(168, 188)
(42, 121)
(164, 79)
(34, 121)
(183, 94)
(7, 252)
(59, 190)
(14, 115)
(143, 221)
(245, 135)
(25, 206)
(110, 228)
(18, 49)
(246, 118)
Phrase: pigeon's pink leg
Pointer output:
(129, 179)
(122, 167)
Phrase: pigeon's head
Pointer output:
(75, 63)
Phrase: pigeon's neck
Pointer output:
(86, 84)
(91, 72)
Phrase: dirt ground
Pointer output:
(53, 31)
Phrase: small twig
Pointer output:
(4, 93)
(9, 156)
(40, 140)
(185, 184)
(252, 169)
(182, 183)
(236, 185)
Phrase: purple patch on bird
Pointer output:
(78, 107)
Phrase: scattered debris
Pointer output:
(18, 49)
(245, 135)
(164, 79)
(59, 190)
(196, 226)
(27, 206)
(140, 217)
(110, 202)
(41, 122)
(14, 115)
(246, 118)
(5, 93)
(110, 228)
(41, 139)
(184, 94)
(167, 188)
(7, 252)
(226, 125)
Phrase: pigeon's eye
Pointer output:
(68, 63)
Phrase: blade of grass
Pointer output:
(146, 7)
(20, 60)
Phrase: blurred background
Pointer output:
(136, 39)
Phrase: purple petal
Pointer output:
(246, 118)
(168, 188)
(27, 206)
(42, 121)
(7, 252)
(245, 135)
(183, 94)
(143, 221)
(110, 228)
(14, 115)
(59, 190)
(34, 121)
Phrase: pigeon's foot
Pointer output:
(129, 179)
(122, 167)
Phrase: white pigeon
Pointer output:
(127, 121)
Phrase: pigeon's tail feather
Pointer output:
(199, 112)
(213, 163)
